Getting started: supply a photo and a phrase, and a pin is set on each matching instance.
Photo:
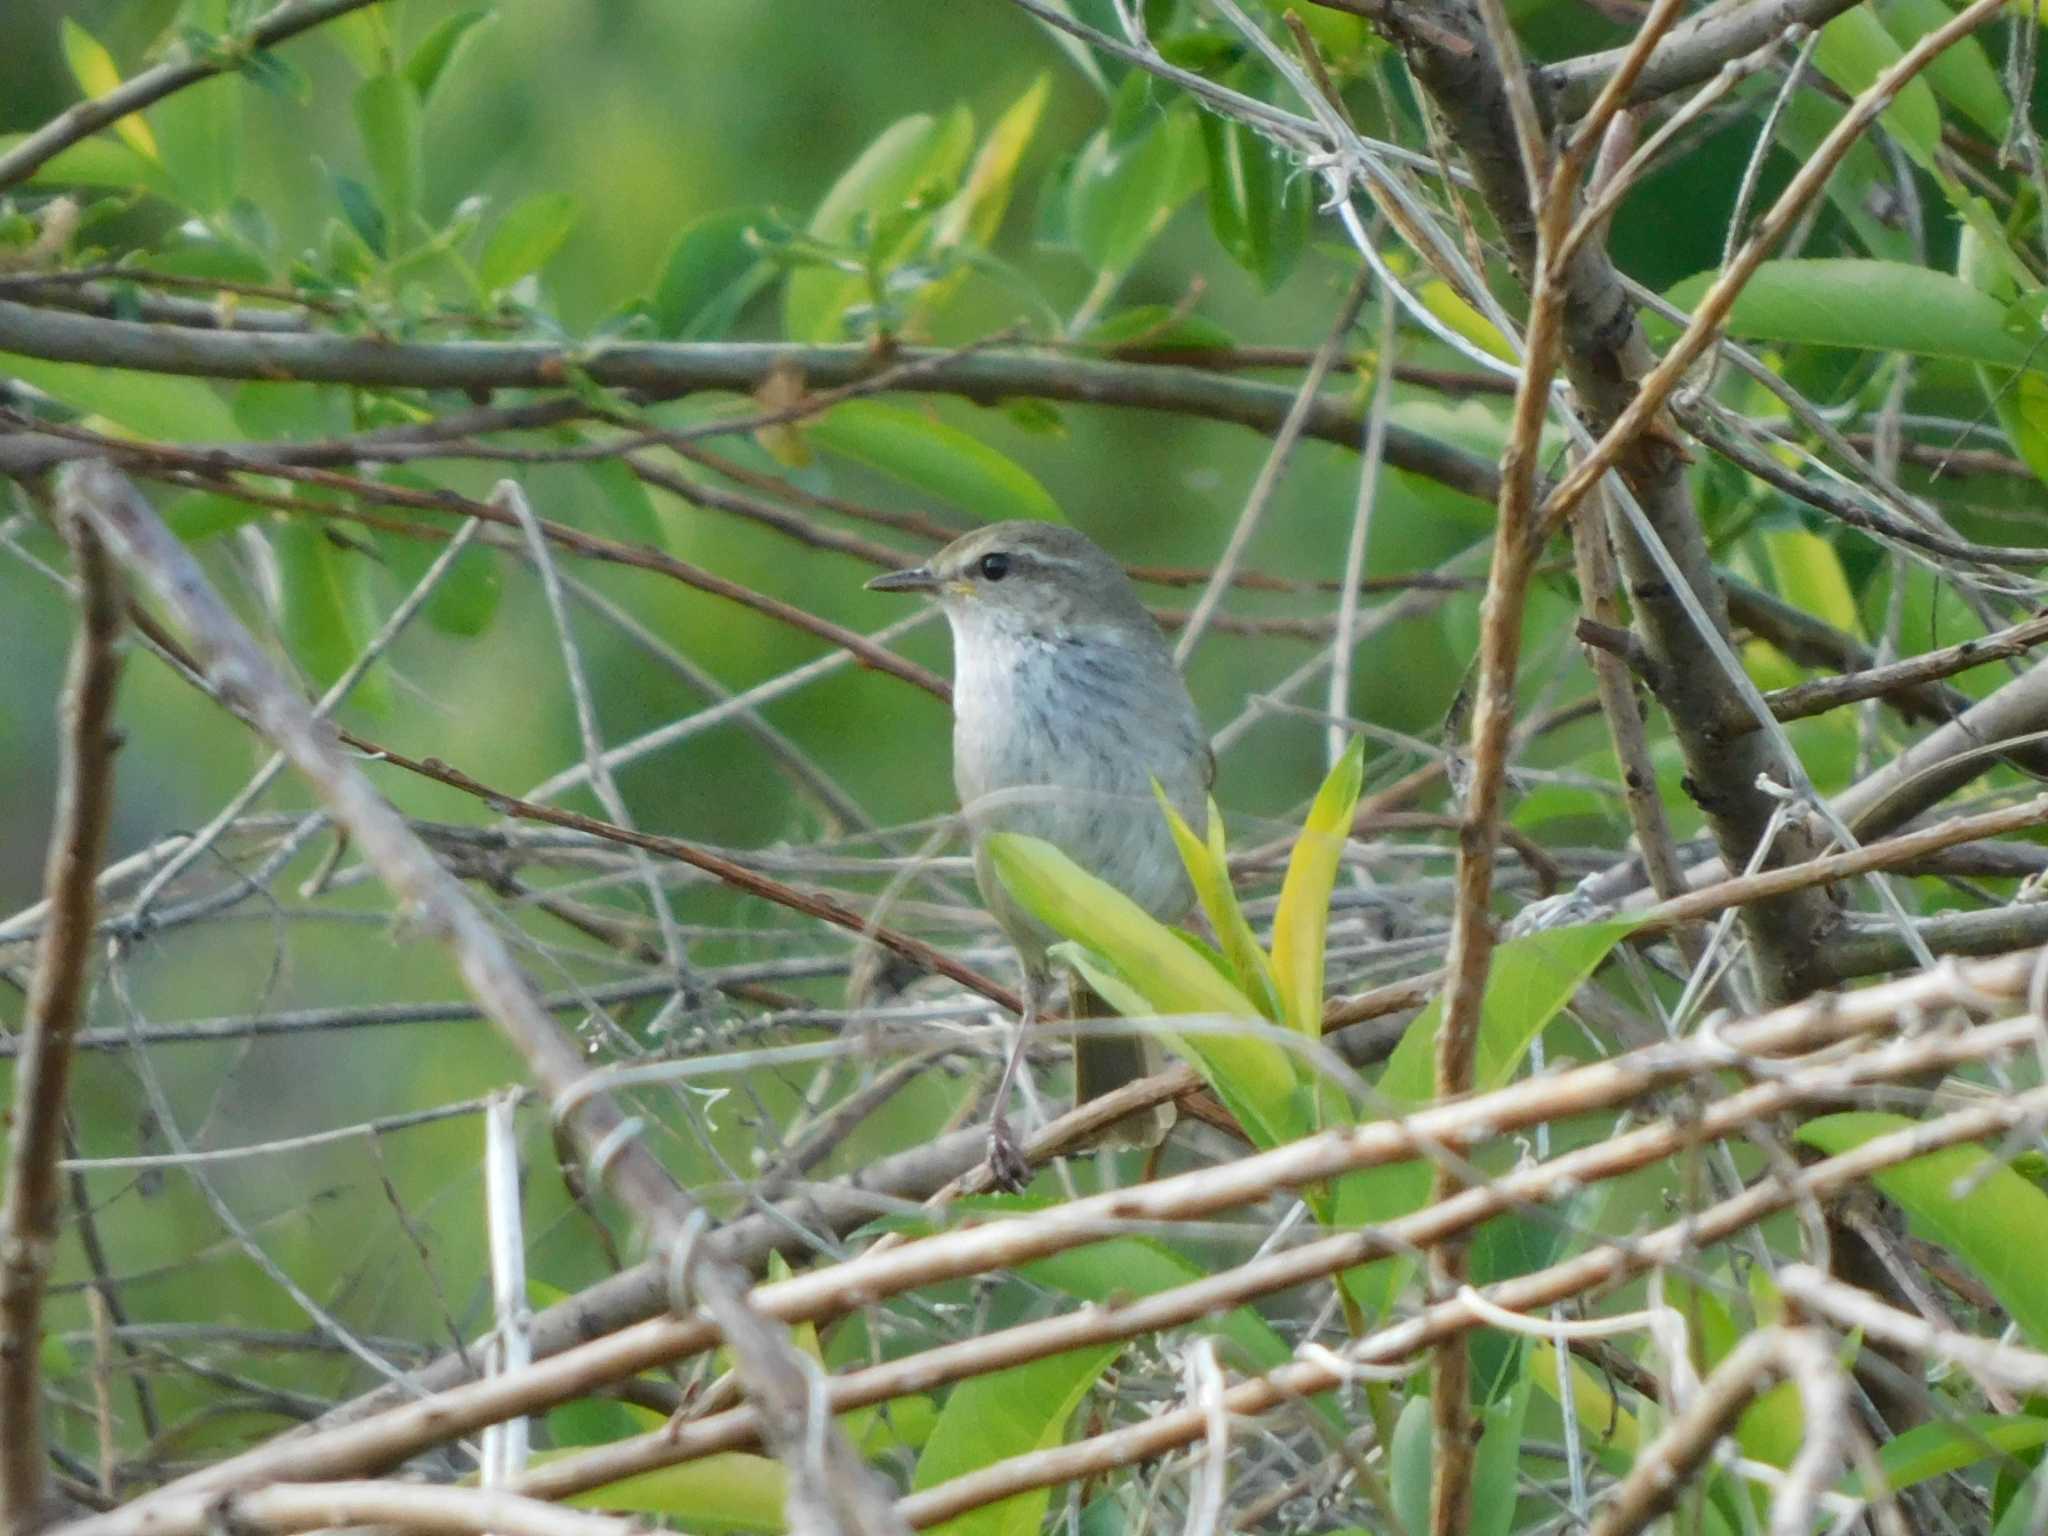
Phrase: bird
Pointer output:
(1067, 710)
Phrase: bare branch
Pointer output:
(56, 1002)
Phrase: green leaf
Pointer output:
(1860, 189)
(359, 208)
(729, 1491)
(1413, 1459)
(440, 48)
(364, 38)
(200, 515)
(1933, 1450)
(1612, 1432)
(1259, 206)
(1966, 1201)
(1209, 872)
(1302, 918)
(1144, 969)
(1496, 1464)
(1854, 49)
(1881, 305)
(1076, 905)
(96, 162)
(631, 510)
(1119, 1269)
(531, 231)
(976, 211)
(1122, 193)
(922, 451)
(1007, 1413)
(1530, 980)
(2022, 1516)
(1808, 573)
(199, 131)
(93, 68)
(1150, 326)
(324, 609)
(467, 598)
(388, 117)
(1961, 73)
(712, 272)
(150, 405)
(909, 157)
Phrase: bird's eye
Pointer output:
(994, 567)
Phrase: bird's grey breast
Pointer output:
(1060, 736)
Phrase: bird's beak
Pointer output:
(918, 578)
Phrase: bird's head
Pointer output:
(1045, 578)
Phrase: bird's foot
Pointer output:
(1008, 1169)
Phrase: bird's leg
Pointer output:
(1006, 1161)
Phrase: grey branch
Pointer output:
(674, 368)
(56, 1000)
(831, 1490)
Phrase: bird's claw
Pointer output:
(1007, 1167)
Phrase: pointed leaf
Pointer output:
(907, 158)
(711, 272)
(1302, 919)
(1854, 50)
(729, 1491)
(976, 211)
(93, 68)
(1880, 305)
(1209, 871)
(920, 450)
(1531, 979)
(1968, 1202)
(1122, 192)
(1007, 1413)
(388, 118)
(199, 132)
(526, 237)
(441, 47)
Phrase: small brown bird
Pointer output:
(1067, 708)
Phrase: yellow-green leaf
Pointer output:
(1145, 969)
(976, 212)
(1002, 1414)
(919, 449)
(1854, 50)
(907, 158)
(93, 68)
(1209, 871)
(1076, 905)
(1303, 915)
(1808, 574)
(731, 1491)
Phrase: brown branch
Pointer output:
(1711, 312)
(1664, 1467)
(665, 369)
(1982, 988)
(830, 1488)
(1596, 1270)
(153, 85)
(1212, 1295)
(1826, 693)
(1692, 55)
(29, 1223)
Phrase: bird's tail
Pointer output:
(1103, 1063)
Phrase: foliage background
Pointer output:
(651, 117)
